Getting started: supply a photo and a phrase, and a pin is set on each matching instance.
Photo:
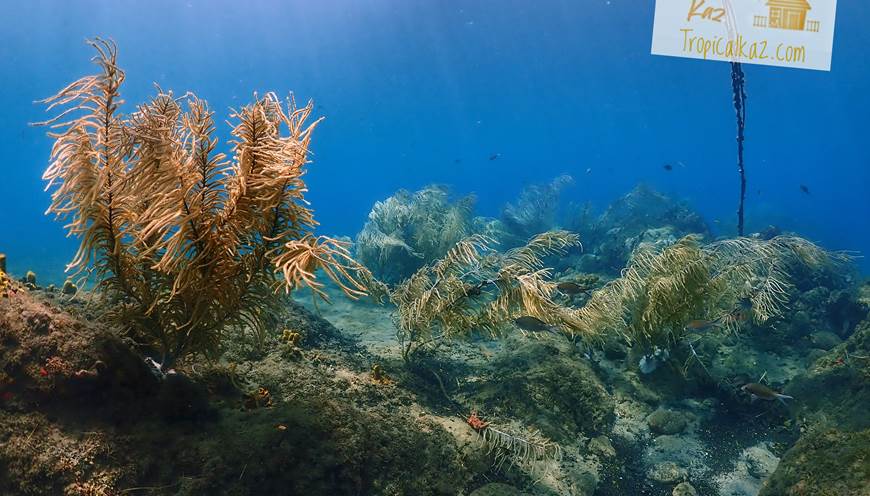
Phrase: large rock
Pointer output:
(832, 457)
(684, 489)
(551, 387)
(664, 421)
(80, 413)
(685, 451)
(642, 216)
(667, 473)
(753, 465)
(836, 388)
(824, 463)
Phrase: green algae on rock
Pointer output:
(835, 390)
(557, 391)
(684, 489)
(827, 462)
(663, 421)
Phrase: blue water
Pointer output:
(420, 91)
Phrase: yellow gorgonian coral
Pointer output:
(189, 241)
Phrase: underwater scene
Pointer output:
(435, 247)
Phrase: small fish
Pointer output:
(668, 167)
(571, 288)
(739, 315)
(457, 161)
(494, 156)
(760, 391)
(743, 312)
(532, 324)
(805, 189)
(473, 290)
(701, 325)
(589, 170)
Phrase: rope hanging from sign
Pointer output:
(738, 87)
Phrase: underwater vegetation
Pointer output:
(408, 230)
(641, 216)
(667, 289)
(665, 292)
(186, 241)
(530, 336)
(477, 289)
(534, 212)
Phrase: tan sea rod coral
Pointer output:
(187, 241)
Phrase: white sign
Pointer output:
(785, 33)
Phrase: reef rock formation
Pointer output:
(824, 462)
(78, 417)
(836, 388)
(546, 383)
(643, 216)
(534, 212)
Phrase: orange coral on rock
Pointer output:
(476, 422)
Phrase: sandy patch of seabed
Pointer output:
(367, 322)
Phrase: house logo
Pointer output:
(798, 34)
(787, 14)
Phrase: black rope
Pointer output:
(738, 87)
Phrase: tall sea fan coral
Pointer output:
(408, 230)
(189, 242)
(534, 211)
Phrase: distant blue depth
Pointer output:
(420, 91)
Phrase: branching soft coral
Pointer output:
(662, 290)
(475, 288)
(408, 230)
(534, 211)
(188, 241)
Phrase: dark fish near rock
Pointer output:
(571, 288)
(532, 324)
(668, 167)
(760, 391)
(805, 189)
(473, 290)
(741, 314)
(738, 315)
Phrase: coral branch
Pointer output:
(189, 242)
